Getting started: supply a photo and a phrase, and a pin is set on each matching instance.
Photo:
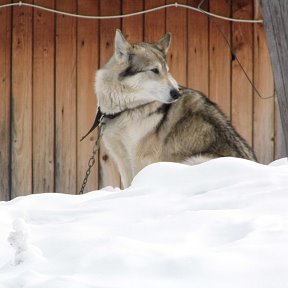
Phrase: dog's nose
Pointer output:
(174, 94)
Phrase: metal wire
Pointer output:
(233, 53)
(176, 5)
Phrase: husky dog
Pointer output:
(148, 118)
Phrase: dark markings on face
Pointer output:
(139, 61)
(129, 71)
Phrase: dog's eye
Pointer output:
(155, 70)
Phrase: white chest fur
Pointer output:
(124, 136)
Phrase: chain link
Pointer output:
(92, 159)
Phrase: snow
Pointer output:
(223, 223)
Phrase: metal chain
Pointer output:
(92, 159)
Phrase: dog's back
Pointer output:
(201, 129)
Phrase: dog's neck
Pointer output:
(102, 117)
(149, 107)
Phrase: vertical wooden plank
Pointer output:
(87, 64)
(198, 49)
(5, 82)
(108, 172)
(21, 138)
(176, 23)
(43, 99)
(280, 150)
(66, 99)
(132, 27)
(220, 57)
(263, 122)
(154, 28)
(276, 28)
(242, 90)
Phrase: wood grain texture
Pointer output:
(132, 27)
(87, 64)
(43, 99)
(242, 90)
(5, 70)
(280, 150)
(220, 57)
(21, 134)
(198, 49)
(154, 28)
(263, 118)
(109, 174)
(176, 23)
(276, 28)
(65, 99)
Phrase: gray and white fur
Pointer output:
(151, 119)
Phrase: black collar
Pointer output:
(99, 116)
(110, 116)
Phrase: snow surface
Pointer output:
(223, 223)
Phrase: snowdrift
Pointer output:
(223, 223)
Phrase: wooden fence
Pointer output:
(47, 69)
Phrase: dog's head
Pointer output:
(136, 74)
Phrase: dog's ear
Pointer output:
(121, 47)
(164, 43)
